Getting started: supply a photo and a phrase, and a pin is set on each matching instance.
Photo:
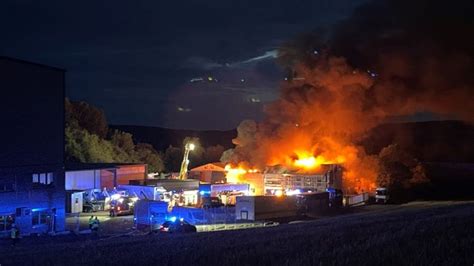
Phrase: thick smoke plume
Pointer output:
(392, 58)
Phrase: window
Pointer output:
(7, 186)
(40, 217)
(6, 222)
(43, 178)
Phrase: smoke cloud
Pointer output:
(391, 58)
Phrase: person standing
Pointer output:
(91, 222)
(14, 235)
(95, 226)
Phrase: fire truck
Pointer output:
(381, 195)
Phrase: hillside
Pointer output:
(433, 141)
(161, 138)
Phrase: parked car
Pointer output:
(121, 206)
(177, 226)
(211, 202)
(90, 207)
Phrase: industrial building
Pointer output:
(84, 176)
(180, 192)
(32, 192)
(209, 173)
(255, 181)
(326, 176)
(226, 193)
(83, 180)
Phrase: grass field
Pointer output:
(423, 233)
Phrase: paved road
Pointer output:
(108, 225)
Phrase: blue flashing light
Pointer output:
(173, 219)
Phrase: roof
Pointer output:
(6, 58)
(174, 184)
(96, 166)
(214, 167)
(322, 169)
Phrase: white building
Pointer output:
(327, 176)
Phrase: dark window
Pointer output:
(7, 186)
(6, 222)
(40, 217)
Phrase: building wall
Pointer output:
(125, 173)
(208, 176)
(83, 179)
(305, 182)
(31, 141)
(256, 182)
(27, 195)
(32, 114)
(99, 178)
(331, 177)
(274, 182)
(107, 178)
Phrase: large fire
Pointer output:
(315, 123)
(234, 174)
(244, 174)
(325, 112)
(307, 162)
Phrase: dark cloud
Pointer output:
(139, 53)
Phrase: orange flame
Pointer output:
(235, 174)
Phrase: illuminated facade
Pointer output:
(328, 176)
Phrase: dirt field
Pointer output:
(420, 233)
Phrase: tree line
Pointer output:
(89, 140)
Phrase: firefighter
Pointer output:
(91, 222)
(95, 225)
(14, 235)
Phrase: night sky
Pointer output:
(136, 59)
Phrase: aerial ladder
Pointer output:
(184, 165)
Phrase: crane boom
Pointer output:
(184, 164)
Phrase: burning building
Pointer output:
(326, 176)
(279, 180)
(209, 173)
(368, 71)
